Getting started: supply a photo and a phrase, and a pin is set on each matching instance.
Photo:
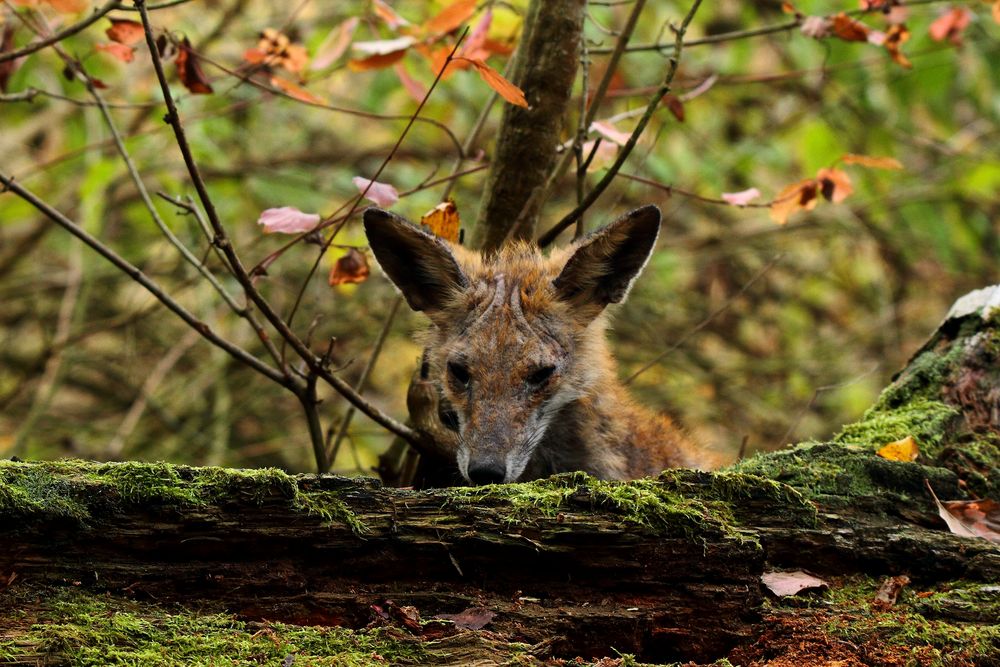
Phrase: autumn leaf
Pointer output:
(901, 450)
(675, 105)
(189, 70)
(970, 518)
(497, 82)
(382, 47)
(335, 44)
(607, 130)
(295, 91)
(443, 220)
(834, 184)
(951, 25)
(451, 17)
(741, 198)
(475, 45)
(287, 220)
(125, 32)
(894, 39)
(783, 584)
(474, 618)
(275, 48)
(996, 11)
(872, 161)
(889, 592)
(68, 6)
(8, 68)
(816, 27)
(387, 14)
(377, 61)
(848, 29)
(796, 197)
(414, 88)
(351, 267)
(382, 194)
(125, 54)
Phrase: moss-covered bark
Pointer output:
(260, 565)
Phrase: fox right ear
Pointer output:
(421, 265)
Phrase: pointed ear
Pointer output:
(607, 262)
(420, 264)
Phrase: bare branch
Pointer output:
(61, 35)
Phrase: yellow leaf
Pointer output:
(901, 450)
(872, 161)
(443, 221)
(495, 80)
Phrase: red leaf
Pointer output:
(382, 194)
(675, 105)
(378, 61)
(125, 32)
(287, 220)
(189, 70)
(124, 53)
(848, 29)
(351, 267)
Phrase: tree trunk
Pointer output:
(667, 569)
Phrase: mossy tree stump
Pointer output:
(138, 563)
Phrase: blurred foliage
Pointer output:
(91, 365)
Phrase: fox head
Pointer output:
(517, 336)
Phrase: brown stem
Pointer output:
(61, 35)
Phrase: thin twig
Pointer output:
(61, 35)
(701, 325)
(654, 103)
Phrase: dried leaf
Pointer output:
(378, 61)
(335, 44)
(382, 194)
(8, 68)
(296, 91)
(849, 29)
(189, 70)
(414, 88)
(889, 592)
(741, 198)
(386, 13)
(675, 105)
(443, 220)
(783, 584)
(382, 47)
(451, 17)
(872, 161)
(816, 27)
(351, 267)
(951, 25)
(970, 518)
(497, 82)
(796, 197)
(125, 32)
(996, 11)
(68, 6)
(607, 130)
(474, 618)
(834, 184)
(901, 450)
(275, 48)
(894, 39)
(126, 54)
(287, 220)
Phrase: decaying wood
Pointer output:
(667, 569)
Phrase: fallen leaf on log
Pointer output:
(783, 584)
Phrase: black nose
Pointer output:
(486, 474)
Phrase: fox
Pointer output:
(518, 350)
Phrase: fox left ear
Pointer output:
(606, 263)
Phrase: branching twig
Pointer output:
(61, 35)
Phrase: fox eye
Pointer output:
(459, 372)
(541, 376)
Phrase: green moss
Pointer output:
(907, 626)
(650, 503)
(80, 490)
(926, 420)
(80, 628)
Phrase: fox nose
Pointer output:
(486, 474)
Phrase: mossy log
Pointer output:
(137, 563)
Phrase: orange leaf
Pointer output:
(872, 161)
(834, 184)
(443, 221)
(386, 13)
(895, 38)
(848, 29)
(495, 80)
(189, 70)
(451, 17)
(351, 267)
(996, 11)
(901, 450)
(124, 53)
(377, 61)
(124, 31)
(68, 6)
(295, 91)
(799, 196)
(951, 25)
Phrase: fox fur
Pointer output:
(518, 350)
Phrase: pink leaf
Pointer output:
(287, 220)
(382, 194)
(335, 44)
(741, 198)
(473, 618)
(474, 46)
(610, 132)
(381, 47)
(415, 89)
(783, 584)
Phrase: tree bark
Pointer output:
(668, 569)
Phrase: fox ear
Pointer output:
(607, 262)
(420, 264)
